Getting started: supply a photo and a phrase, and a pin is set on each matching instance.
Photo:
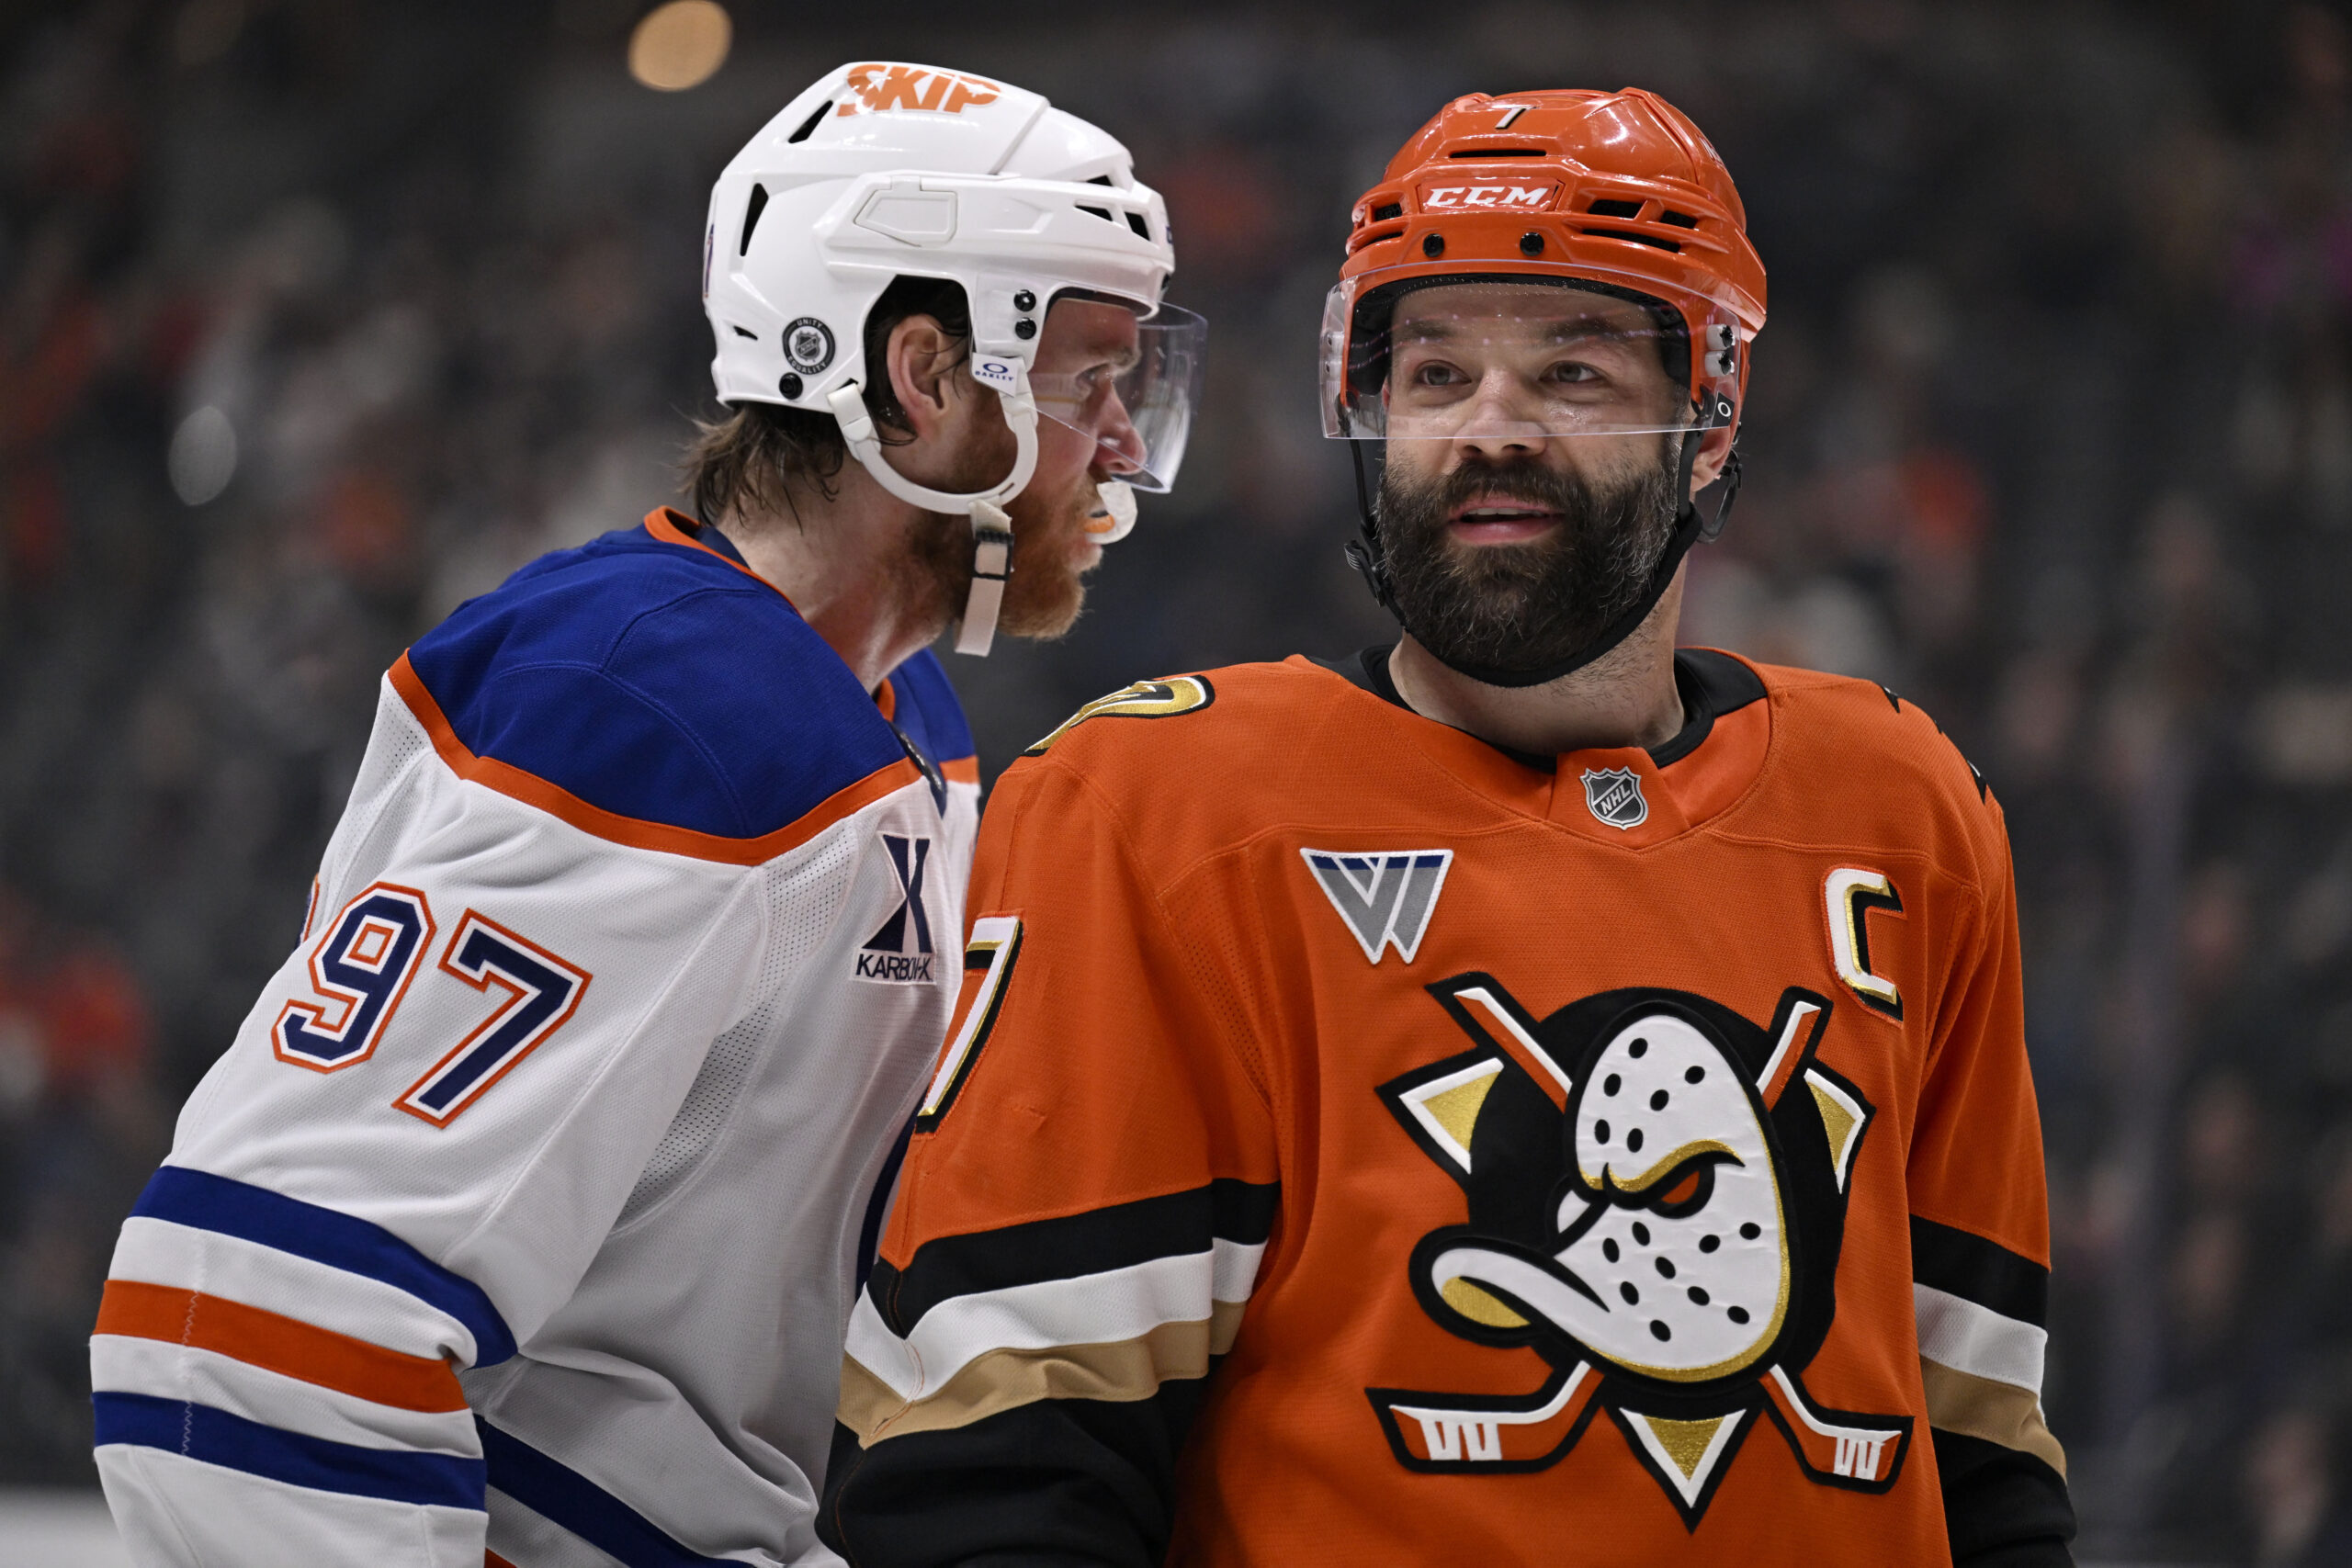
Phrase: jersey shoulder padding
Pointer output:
(656, 680)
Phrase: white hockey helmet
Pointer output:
(886, 170)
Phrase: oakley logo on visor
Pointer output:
(875, 87)
(1454, 198)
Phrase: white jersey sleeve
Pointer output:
(554, 889)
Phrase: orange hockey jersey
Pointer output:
(1356, 1144)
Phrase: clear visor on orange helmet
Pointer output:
(1519, 354)
(1138, 401)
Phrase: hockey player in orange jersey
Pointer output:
(1528, 1096)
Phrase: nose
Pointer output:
(1118, 446)
(1501, 419)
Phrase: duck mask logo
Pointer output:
(1656, 1192)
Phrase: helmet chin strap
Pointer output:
(991, 524)
(1368, 557)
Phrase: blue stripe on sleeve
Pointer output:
(216, 1437)
(561, 1495)
(204, 1202)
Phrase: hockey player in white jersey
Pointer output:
(520, 1222)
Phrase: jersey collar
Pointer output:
(1690, 777)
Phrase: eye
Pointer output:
(1437, 373)
(1573, 373)
(1686, 1191)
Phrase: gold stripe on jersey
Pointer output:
(1120, 1372)
(1850, 893)
(1447, 1106)
(1145, 699)
(1997, 1412)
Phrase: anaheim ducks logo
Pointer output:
(1656, 1192)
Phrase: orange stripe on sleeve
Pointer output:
(137, 1310)
(634, 831)
(962, 770)
(491, 1559)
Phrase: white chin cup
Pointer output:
(991, 526)
(1118, 517)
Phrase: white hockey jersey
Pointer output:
(521, 1221)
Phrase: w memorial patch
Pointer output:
(1385, 898)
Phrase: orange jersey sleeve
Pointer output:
(1089, 1187)
(1980, 1240)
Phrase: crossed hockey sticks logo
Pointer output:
(1679, 1274)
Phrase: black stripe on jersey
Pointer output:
(2002, 1506)
(1081, 1483)
(1175, 1224)
(1985, 1272)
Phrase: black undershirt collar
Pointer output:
(1710, 685)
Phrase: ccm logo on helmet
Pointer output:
(1446, 198)
(876, 87)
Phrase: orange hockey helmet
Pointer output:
(1523, 198)
(1617, 193)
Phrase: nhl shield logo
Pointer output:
(1615, 797)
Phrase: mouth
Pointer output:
(1486, 520)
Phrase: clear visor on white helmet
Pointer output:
(1136, 399)
(1519, 354)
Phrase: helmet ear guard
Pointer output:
(991, 524)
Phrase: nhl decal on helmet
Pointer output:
(1387, 899)
(1614, 797)
(884, 170)
(808, 345)
(1681, 1273)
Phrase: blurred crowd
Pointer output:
(319, 316)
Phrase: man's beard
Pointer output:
(1044, 592)
(1520, 608)
(1042, 596)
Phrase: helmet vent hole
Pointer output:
(751, 211)
(1387, 211)
(740, 332)
(1611, 206)
(1679, 220)
(1135, 221)
(1651, 239)
(809, 126)
(1101, 212)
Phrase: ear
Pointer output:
(1714, 450)
(922, 361)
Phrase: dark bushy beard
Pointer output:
(1520, 608)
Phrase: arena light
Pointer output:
(680, 45)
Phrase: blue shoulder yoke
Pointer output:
(660, 681)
